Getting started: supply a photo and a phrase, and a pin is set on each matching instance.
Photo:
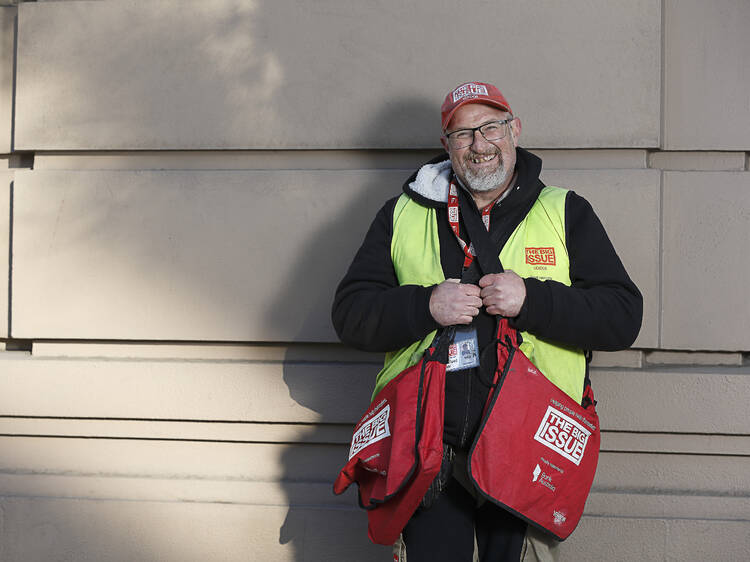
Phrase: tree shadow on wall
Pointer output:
(337, 384)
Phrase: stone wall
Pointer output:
(185, 182)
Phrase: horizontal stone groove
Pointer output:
(282, 433)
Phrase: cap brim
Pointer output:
(492, 103)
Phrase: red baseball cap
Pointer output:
(472, 92)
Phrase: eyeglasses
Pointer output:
(492, 131)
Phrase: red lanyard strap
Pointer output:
(453, 219)
(483, 246)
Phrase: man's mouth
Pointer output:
(481, 158)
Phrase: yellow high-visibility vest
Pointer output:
(536, 248)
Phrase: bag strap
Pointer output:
(485, 248)
(487, 254)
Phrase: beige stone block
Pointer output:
(667, 506)
(5, 180)
(230, 391)
(625, 441)
(230, 74)
(693, 358)
(706, 76)
(651, 400)
(697, 161)
(279, 474)
(165, 489)
(672, 474)
(583, 159)
(42, 529)
(172, 460)
(627, 358)
(708, 540)
(199, 255)
(289, 493)
(673, 399)
(628, 204)
(706, 229)
(7, 44)
(617, 539)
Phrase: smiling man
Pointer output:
(564, 289)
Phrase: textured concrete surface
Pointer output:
(705, 75)
(692, 161)
(706, 229)
(659, 399)
(7, 41)
(180, 532)
(231, 256)
(232, 74)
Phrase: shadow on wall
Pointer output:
(353, 223)
(137, 254)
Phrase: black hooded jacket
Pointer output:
(601, 310)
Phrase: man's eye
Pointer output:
(463, 135)
(491, 128)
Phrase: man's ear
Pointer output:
(445, 143)
(515, 130)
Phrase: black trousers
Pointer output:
(445, 531)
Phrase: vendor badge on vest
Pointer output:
(463, 351)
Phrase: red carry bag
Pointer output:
(397, 446)
(537, 449)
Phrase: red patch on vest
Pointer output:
(540, 256)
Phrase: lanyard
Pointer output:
(453, 214)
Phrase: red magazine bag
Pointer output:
(397, 446)
(537, 449)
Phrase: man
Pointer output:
(563, 287)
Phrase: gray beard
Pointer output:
(488, 182)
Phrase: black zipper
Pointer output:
(467, 408)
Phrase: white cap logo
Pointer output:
(469, 90)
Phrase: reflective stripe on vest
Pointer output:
(536, 248)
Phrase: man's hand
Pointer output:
(503, 293)
(453, 302)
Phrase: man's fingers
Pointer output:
(488, 280)
(472, 290)
(488, 291)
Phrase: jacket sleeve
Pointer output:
(371, 311)
(602, 309)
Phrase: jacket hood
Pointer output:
(429, 185)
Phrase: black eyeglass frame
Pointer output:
(474, 129)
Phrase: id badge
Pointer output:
(463, 352)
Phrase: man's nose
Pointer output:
(479, 140)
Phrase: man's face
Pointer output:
(484, 165)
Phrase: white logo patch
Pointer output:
(536, 473)
(559, 517)
(563, 435)
(469, 91)
(371, 432)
